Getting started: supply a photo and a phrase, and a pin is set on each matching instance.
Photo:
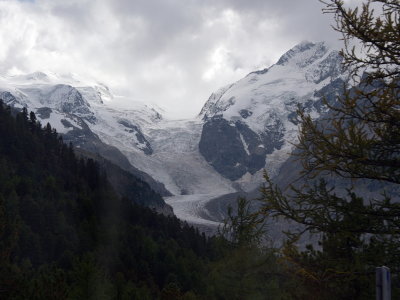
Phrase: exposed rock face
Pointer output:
(44, 113)
(248, 122)
(233, 149)
(77, 113)
(222, 147)
(67, 99)
(141, 140)
(8, 98)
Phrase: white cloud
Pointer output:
(170, 52)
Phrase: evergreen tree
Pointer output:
(358, 139)
(248, 268)
(361, 138)
(65, 234)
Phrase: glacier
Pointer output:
(251, 125)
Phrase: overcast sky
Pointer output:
(173, 53)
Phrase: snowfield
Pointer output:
(177, 162)
(168, 150)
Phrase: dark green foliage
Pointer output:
(358, 139)
(249, 269)
(244, 228)
(65, 234)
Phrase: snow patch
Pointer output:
(245, 146)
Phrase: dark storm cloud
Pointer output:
(171, 52)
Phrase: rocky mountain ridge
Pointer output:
(243, 128)
(251, 124)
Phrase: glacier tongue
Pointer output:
(192, 209)
(177, 162)
(167, 150)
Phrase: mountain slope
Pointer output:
(126, 184)
(242, 129)
(77, 109)
(65, 234)
(250, 125)
(138, 138)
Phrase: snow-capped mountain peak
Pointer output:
(303, 54)
(253, 120)
(299, 72)
(36, 76)
(243, 128)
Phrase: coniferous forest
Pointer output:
(65, 234)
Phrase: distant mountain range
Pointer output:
(243, 128)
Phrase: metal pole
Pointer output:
(383, 283)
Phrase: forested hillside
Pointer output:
(65, 234)
(357, 142)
